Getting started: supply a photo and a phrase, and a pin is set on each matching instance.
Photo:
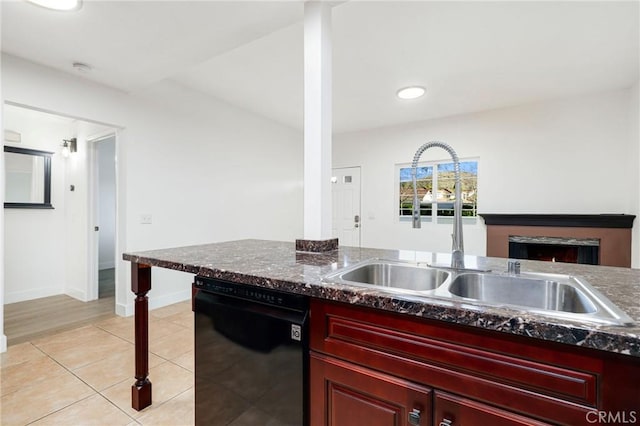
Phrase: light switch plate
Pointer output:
(145, 219)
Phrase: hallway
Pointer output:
(31, 319)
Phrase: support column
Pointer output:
(317, 120)
(3, 338)
(140, 285)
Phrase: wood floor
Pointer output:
(25, 321)
(107, 283)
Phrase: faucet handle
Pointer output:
(513, 266)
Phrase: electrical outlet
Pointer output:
(145, 219)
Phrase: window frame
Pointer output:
(434, 218)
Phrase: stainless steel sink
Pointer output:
(554, 295)
(400, 276)
(562, 296)
(519, 291)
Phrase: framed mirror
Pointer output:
(27, 178)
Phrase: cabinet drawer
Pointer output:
(538, 377)
(451, 410)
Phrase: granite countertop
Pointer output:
(276, 265)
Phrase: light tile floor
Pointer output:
(84, 376)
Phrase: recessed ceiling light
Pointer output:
(411, 92)
(63, 5)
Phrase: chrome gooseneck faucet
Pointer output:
(457, 251)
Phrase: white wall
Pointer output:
(35, 239)
(634, 119)
(204, 170)
(3, 337)
(562, 156)
(106, 202)
(221, 174)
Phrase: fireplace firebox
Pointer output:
(568, 250)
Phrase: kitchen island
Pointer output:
(277, 265)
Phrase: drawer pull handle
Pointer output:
(414, 417)
(446, 422)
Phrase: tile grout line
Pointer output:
(96, 391)
(150, 352)
(59, 409)
(68, 371)
(164, 360)
(157, 406)
(99, 392)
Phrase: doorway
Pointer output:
(104, 172)
(345, 191)
(51, 239)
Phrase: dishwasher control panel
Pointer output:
(253, 293)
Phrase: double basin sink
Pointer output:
(556, 295)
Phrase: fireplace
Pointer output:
(553, 249)
(588, 239)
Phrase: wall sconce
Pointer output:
(69, 146)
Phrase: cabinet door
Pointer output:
(450, 410)
(344, 394)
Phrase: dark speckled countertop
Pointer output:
(276, 265)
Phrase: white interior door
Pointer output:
(346, 221)
(102, 226)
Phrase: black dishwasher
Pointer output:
(251, 355)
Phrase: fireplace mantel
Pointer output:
(563, 220)
(612, 230)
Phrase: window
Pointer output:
(438, 202)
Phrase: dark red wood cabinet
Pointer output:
(451, 410)
(374, 367)
(355, 395)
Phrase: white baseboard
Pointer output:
(77, 294)
(124, 310)
(3, 343)
(169, 299)
(37, 293)
(155, 302)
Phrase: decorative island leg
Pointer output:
(140, 285)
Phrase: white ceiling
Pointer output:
(471, 56)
